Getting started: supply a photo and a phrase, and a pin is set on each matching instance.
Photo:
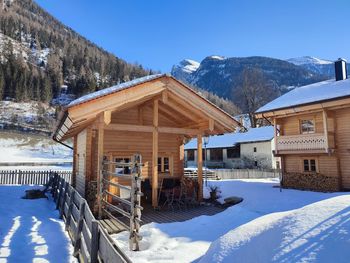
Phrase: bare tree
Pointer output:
(254, 90)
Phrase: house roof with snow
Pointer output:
(315, 93)
(178, 104)
(231, 139)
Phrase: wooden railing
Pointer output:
(193, 174)
(128, 206)
(314, 141)
(30, 177)
(91, 242)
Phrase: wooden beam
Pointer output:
(165, 97)
(211, 124)
(200, 167)
(155, 155)
(143, 128)
(107, 117)
(325, 129)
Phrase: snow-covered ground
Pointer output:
(268, 226)
(19, 147)
(30, 230)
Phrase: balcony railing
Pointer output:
(302, 142)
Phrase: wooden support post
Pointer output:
(275, 133)
(100, 149)
(325, 129)
(200, 167)
(155, 155)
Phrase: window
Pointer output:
(255, 149)
(120, 169)
(163, 165)
(233, 152)
(190, 155)
(307, 126)
(256, 163)
(309, 165)
(278, 165)
(216, 154)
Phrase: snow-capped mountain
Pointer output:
(316, 65)
(184, 69)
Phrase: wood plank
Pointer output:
(155, 155)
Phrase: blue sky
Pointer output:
(160, 33)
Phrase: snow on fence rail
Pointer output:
(24, 177)
(91, 242)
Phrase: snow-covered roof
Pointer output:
(231, 139)
(113, 89)
(317, 92)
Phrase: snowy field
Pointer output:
(268, 226)
(22, 147)
(30, 230)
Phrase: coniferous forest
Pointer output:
(27, 32)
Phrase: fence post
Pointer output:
(70, 208)
(94, 242)
(61, 181)
(135, 213)
(61, 207)
(19, 177)
(77, 243)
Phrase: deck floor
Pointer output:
(150, 215)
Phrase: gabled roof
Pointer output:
(231, 139)
(314, 93)
(83, 111)
(113, 89)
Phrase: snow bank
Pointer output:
(315, 233)
(30, 230)
(188, 241)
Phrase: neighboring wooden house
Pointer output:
(251, 149)
(312, 133)
(151, 116)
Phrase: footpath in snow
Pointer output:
(268, 226)
(30, 230)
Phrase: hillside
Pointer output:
(226, 76)
(38, 54)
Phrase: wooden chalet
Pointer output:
(312, 133)
(152, 116)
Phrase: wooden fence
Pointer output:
(23, 177)
(91, 242)
(246, 173)
(217, 174)
(128, 206)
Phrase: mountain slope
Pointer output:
(38, 54)
(223, 76)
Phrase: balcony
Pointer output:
(304, 143)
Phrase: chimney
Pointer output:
(340, 69)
